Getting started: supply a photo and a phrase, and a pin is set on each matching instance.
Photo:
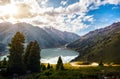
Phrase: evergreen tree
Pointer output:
(101, 63)
(4, 63)
(43, 67)
(16, 49)
(59, 65)
(26, 54)
(48, 66)
(0, 64)
(51, 67)
(34, 58)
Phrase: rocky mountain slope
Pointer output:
(101, 44)
(47, 37)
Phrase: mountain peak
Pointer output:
(46, 37)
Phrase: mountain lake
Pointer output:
(51, 55)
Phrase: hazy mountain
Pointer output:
(2, 47)
(101, 44)
(47, 37)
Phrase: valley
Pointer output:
(59, 39)
(81, 57)
(101, 44)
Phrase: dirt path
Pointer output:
(77, 65)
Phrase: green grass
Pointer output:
(77, 73)
(72, 72)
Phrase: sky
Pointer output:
(77, 16)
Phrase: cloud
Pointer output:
(24, 11)
(4, 2)
(116, 2)
(55, 17)
(88, 18)
(72, 17)
(42, 3)
(36, 22)
(75, 8)
(63, 3)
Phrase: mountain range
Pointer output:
(101, 44)
(47, 37)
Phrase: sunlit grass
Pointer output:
(74, 72)
(71, 72)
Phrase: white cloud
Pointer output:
(111, 2)
(69, 18)
(4, 2)
(88, 18)
(24, 11)
(42, 3)
(49, 16)
(63, 2)
(76, 8)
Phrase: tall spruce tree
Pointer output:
(101, 63)
(4, 63)
(48, 66)
(16, 49)
(26, 54)
(34, 58)
(59, 65)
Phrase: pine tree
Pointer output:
(0, 64)
(4, 63)
(16, 49)
(43, 67)
(59, 65)
(101, 63)
(26, 54)
(34, 58)
(48, 66)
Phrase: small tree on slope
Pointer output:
(59, 65)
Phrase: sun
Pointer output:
(11, 9)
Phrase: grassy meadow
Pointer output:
(73, 70)
(76, 72)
